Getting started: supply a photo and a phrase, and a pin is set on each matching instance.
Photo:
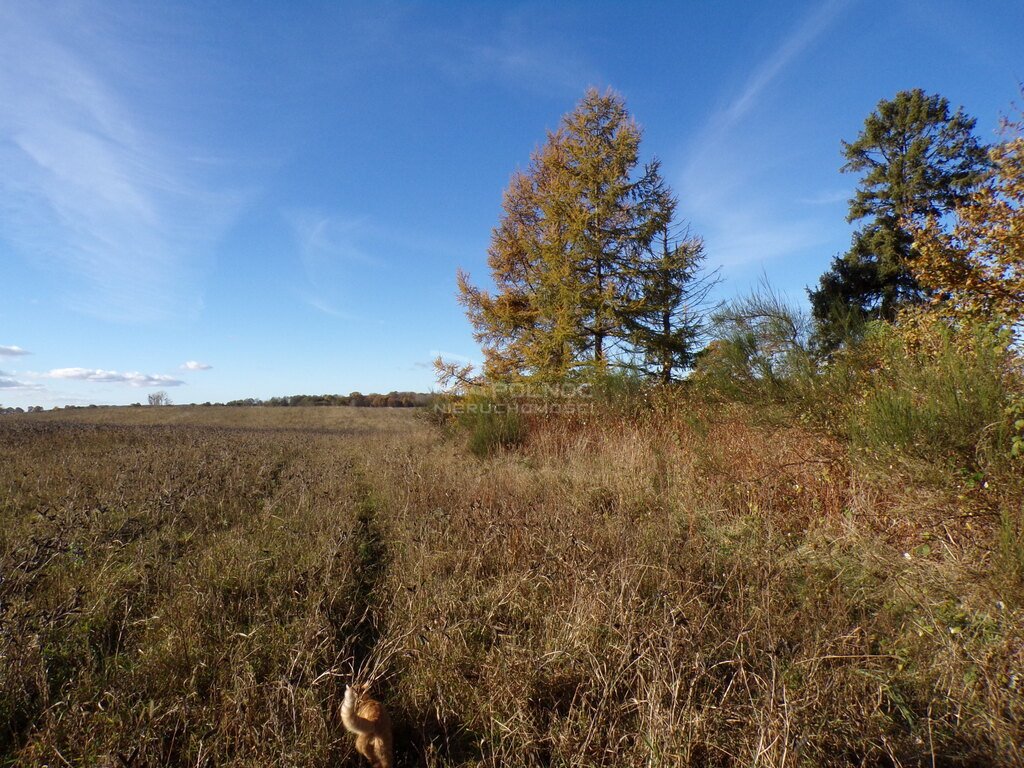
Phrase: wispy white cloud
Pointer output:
(90, 189)
(329, 240)
(195, 365)
(326, 308)
(98, 375)
(491, 44)
(768, 70)
(8, 382)
(739, 238)
(522, 64)
(13, 351)
(331, 250)
(725, 169)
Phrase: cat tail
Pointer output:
(353, 722)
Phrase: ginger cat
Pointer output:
(368, 720)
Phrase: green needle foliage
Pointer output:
(916, 160)
(668, 323)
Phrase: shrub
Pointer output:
(933, 395)
(761, 351)
(492, 424)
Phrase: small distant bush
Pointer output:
(622, 392)
(159, 398)
(490, 423)
(472, 412)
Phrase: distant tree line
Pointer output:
(30, 409)
(354, 399)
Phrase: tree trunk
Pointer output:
(666, 352)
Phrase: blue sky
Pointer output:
(227, 200)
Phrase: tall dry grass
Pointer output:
(687, 589)
(679, 585)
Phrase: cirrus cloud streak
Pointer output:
(96, 187)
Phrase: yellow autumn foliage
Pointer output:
(975, 270)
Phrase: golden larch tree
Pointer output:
(566, 255)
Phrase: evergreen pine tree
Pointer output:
(667, 323)
(917, 160)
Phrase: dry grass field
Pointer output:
(690, 586)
